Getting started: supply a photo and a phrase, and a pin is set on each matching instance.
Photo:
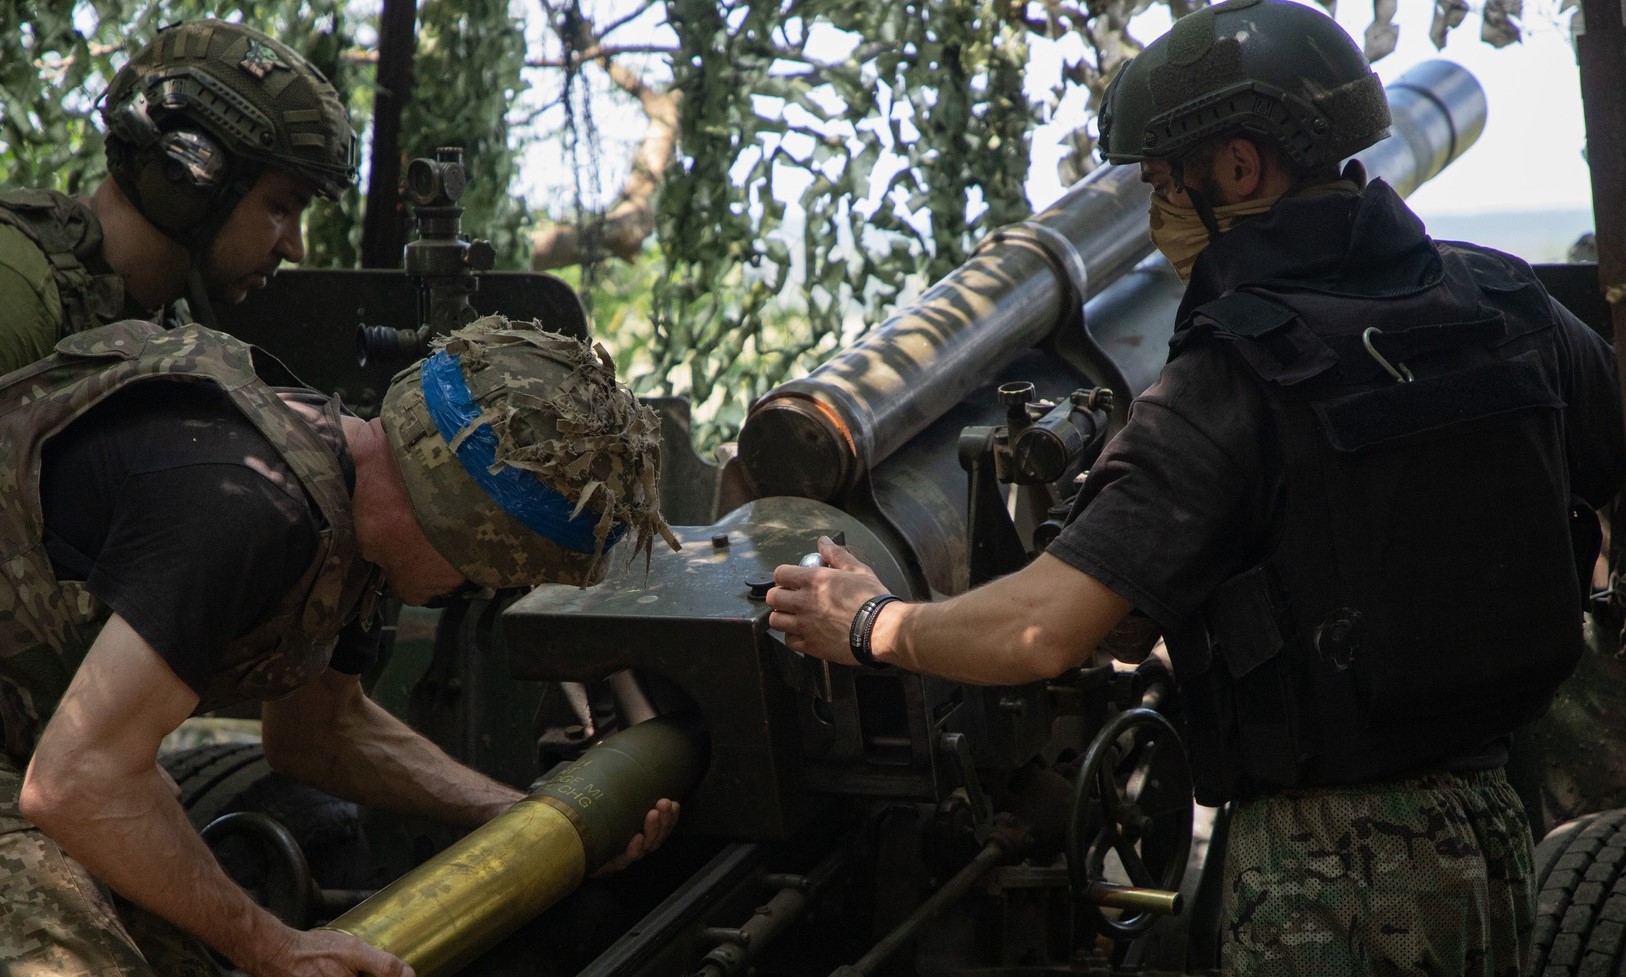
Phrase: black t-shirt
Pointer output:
(180, 517)
(1181, 499)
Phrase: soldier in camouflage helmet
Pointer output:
(178, 535)
(1346, 504)
(218, 137)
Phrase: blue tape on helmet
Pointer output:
(520, 493)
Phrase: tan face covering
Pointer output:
(1179, 233)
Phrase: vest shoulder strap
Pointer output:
(70, 236)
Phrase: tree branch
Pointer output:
(631, 220)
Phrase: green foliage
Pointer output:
(467, 74)
(57, 57)
(931, 91)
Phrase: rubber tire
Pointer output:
(225, 777)
(1580, 873)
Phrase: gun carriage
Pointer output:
(847, 821)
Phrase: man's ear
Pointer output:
(1239, 169)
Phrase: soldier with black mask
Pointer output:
(1349, 503)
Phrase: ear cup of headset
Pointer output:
(177, 175)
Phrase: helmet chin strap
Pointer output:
(197, 295)
(1199, 199)
(200, 239)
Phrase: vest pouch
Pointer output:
(1208, 718)
(1452, 539)
(1243, 623)
(37, 616)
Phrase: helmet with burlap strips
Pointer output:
(199, 112)
(1271, 68)
(524, 459)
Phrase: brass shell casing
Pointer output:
(448, 910)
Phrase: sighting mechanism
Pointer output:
(445, 265)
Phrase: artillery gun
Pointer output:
(848, 821)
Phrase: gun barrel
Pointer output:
(444, 913)
(817, 436)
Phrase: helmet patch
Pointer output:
(259, 60)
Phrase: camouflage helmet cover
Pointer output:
(253, 94)
(556, 424)
(1274, 68)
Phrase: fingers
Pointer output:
(377, 963)
(838, 557)
(659, 822)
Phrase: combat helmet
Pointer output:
(1274, 68)
(524, 459)
(199, 112)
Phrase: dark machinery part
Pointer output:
(1042, 448)
(445, 266)
(734, 949)
(1132, 802)
(1601, 51)
(1008, 843)
(285, 885)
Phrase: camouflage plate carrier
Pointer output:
(71, 237)
(46, 625)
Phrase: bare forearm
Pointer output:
(1034, 624)
(377, 760)
(130, 832)
(989, 636)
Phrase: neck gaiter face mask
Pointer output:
(1179, 233)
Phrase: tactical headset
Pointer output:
(199, 113)
(178, 178)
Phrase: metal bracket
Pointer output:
(982, 809)
(1078, 348)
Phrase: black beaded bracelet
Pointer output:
(863, 626)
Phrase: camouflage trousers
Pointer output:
(1424, 876)
(58, 921)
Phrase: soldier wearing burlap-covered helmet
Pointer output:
(265, 522)
(536, 421)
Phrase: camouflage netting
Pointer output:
(554, 406)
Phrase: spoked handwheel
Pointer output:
(1133, 801)
(283, 882)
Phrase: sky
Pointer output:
(1529, 157)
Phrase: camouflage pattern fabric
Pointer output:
(46, 626)
(69, 237)
(1425, 876)
(556, 410)
(58, 921)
